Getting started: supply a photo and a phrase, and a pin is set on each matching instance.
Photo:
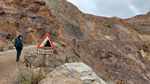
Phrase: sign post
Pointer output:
(45, 47)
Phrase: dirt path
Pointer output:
(8, 68)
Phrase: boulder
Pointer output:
(72, 73)
(32, 59)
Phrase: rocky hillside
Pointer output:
(62, 20)
(116, 49)
(30, 18)
(141, 23)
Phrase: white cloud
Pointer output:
(135, 10)
(110, 8)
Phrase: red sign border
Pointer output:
(47, 35)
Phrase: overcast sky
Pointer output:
(110, 8)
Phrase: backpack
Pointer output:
(15, 42)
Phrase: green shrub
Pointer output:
(49, 0)
(80, 11)
(108, 25)
(31, 77)
(67, 59)
(25, 82)
(76, 21)
(64, 41)
(58, 11)
(107, 74)
(57, 3)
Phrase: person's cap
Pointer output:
(20, 36)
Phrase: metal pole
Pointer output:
(44, 60)
(47, 61)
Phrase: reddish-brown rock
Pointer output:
(116, 49)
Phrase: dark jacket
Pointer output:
(19, 43)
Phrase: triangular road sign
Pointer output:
(46, 43)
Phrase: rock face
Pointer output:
(116, 49)
(62, 20)
(141, 23)
(32, 19)
(72, 73)
(116, 61)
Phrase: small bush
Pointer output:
(80, 11)
(108, 25)
(58, 11)
(76, 21)
(49, 0)
(67, 59)
(64, 41)
(57, 3)
(107, 74)
(31, 76)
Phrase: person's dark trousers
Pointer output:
(18, 54)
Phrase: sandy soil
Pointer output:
(8, 66)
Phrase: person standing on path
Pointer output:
(19, 47)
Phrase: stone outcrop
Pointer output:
(61, 55)
(72, 73)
